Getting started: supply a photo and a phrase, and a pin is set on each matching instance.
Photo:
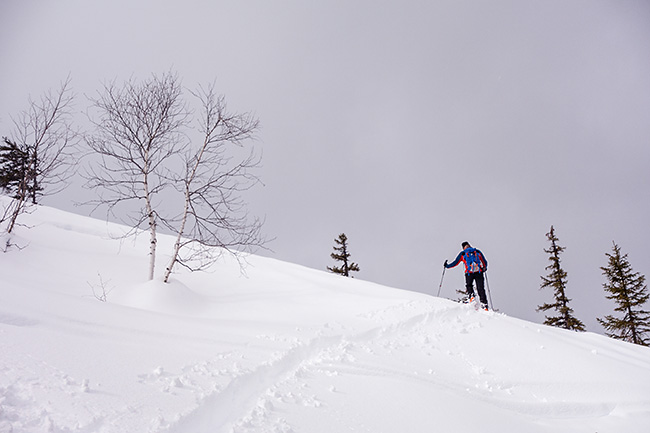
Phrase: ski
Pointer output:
(474, 302)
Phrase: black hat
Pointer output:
(465, 244)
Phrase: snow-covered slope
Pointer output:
(280, 349)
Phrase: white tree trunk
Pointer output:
(189, 177)
(177, 244)
(153, 241)
(152, 221)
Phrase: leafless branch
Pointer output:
(138, 130)
(214, 216)
(45, 135)
(101, 291)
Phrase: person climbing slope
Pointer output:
(475, 266)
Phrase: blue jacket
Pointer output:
(461, 257)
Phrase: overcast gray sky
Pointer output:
(411, 126)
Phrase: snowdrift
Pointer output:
(281, 348)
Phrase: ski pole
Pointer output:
(443, 277)
(487, 285)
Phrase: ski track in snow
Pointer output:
(248, 403)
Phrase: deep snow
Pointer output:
(282, 348)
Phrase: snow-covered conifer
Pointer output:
(342, 254)
(557, 279)
(628, 289)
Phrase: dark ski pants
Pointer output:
(480, 286)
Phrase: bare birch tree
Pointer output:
(143, 136)
(43, 139)
(214, 216)
(139, 127)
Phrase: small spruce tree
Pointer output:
(14, 168)
(557, 279)
(342, 254)
(629, 291)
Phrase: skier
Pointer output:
(475, 266)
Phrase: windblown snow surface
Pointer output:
(282, 348)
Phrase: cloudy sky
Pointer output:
(411, 126)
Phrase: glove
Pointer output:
(445, 265)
